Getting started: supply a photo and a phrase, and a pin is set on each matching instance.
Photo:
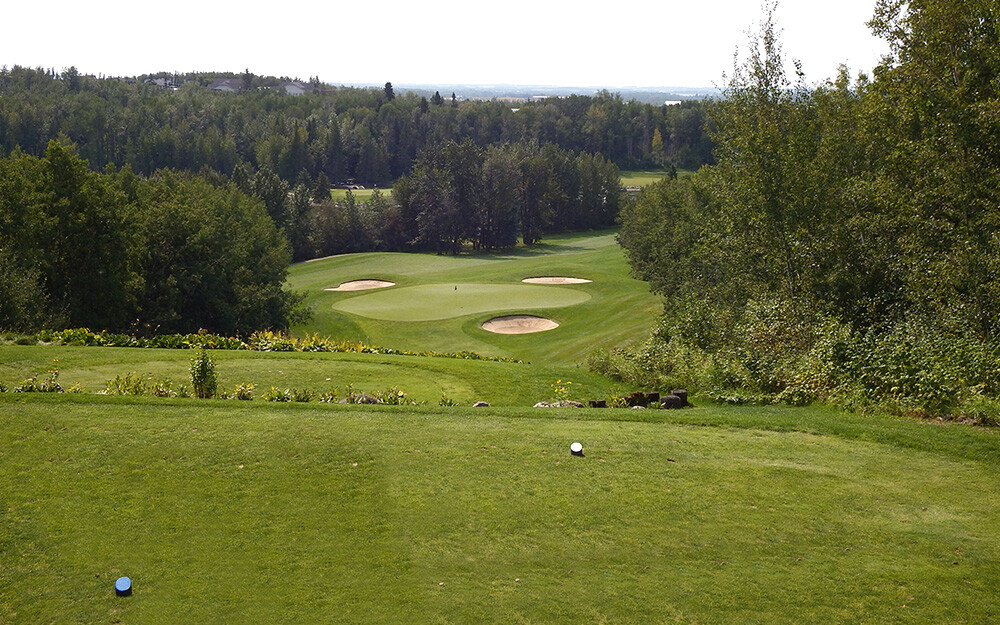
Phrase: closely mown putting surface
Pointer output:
(223, 512)
(432, 302)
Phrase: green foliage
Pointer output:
(338, 132)
(392, 396)
(134, 384)
(243, 392)
(844, 246)
(112, 250)
(460, 192)
(277, 395)
(203, 378)
(34, 385)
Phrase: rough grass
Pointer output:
(223, 512)
(643, 178)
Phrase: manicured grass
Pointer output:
(254, 512)
(432, 302)
(361, 195)
(612, 310)
(643, 178)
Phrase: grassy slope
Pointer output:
(423, 379)
(307, 513)
(617, 309)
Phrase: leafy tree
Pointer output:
(215, 259)
(498, 209)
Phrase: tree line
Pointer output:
(172, 252)
(846, 241)
(372, 136)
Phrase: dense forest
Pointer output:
(171, 252)
(846, 245)
(371, 136)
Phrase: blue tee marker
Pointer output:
(123, 586)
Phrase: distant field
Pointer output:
(359, 194)
(642, 178)
(239, 512)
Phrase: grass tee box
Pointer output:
(306, 513)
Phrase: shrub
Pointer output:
(302, 395)
(203, 375)
(446, 401)
(393, 397)
(130, 384)
(34, 385)
(242, 392)
(276, 394)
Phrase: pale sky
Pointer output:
(531, 42)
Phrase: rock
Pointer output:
(543, 404)
(638, 407)
(598, 403)
(672, 402)
(683, 394)
(480, 404)
(652, 398)
(567, 403)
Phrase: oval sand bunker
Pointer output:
(362, 285)
(519, 324)
(555, 280)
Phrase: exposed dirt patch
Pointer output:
(519, 324)
(362, 285)
(555, 280)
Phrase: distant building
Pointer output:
(230, 85)
(295, 87)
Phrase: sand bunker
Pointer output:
(519, 324)
(555, 280)
(362, 285)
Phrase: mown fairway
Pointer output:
(252, 512)
(440, 302)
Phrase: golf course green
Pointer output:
(433, 302)
(439, 303)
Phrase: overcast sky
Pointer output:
(533, 42)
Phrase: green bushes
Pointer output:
(203, 375)
(775, 353)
